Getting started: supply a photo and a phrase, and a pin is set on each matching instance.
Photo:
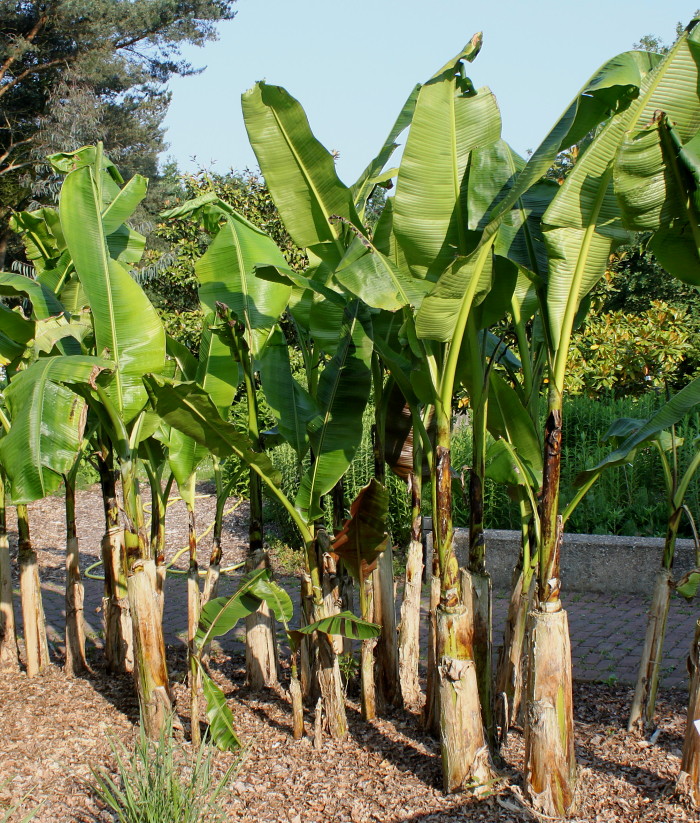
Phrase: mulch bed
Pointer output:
(54, 729)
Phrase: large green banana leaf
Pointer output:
(219, 715)
(657, 182)
(374, 277)
(583, 222)
(44, 301)
(15, 333)
(343, 390)
(187, 407)
(290, 403)
(299, 172)
(345, 624)
(226, 274)
(217, 373)
(126, 325)
(48, 420)
(431, 209)
(509, 419)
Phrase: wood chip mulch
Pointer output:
(54, 729)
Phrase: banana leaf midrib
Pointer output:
(308, 179)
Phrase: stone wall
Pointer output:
(590, 562)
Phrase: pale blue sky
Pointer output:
(351, 65)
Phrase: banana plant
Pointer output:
(250, 308)
(581, 226)
(186, 407)
(628, 436)
(93, 208)
(324, 217)
(44, 427)
(220, 616)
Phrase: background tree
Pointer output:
(77, 71)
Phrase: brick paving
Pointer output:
(606, 633)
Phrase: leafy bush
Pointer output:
(629, 353)
(162, 781)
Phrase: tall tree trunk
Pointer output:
(75, 626)
(550, 762)
(689, 777)
(9, 653)
(644, 702)
(35, 642)
(116, 612)
(409, 626)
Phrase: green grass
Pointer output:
(162, 781)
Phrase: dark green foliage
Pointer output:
(76, 71)
(628, 500)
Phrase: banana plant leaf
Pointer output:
(372, 276)
(220, 615)
(226, 274)
(299, 171)
(217, 373)
(344, 624)
(277, 599)
(685, 401)
(509, 419)
(44, 301)
(48, 421)
(219, 714)
(343, 390)
(290, 403)
(432, 219)
(365, 534)
(583, 222)
(126, 324)
(190, 409)
(687, 586)
(657, 182)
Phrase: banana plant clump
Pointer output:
(471, 284)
